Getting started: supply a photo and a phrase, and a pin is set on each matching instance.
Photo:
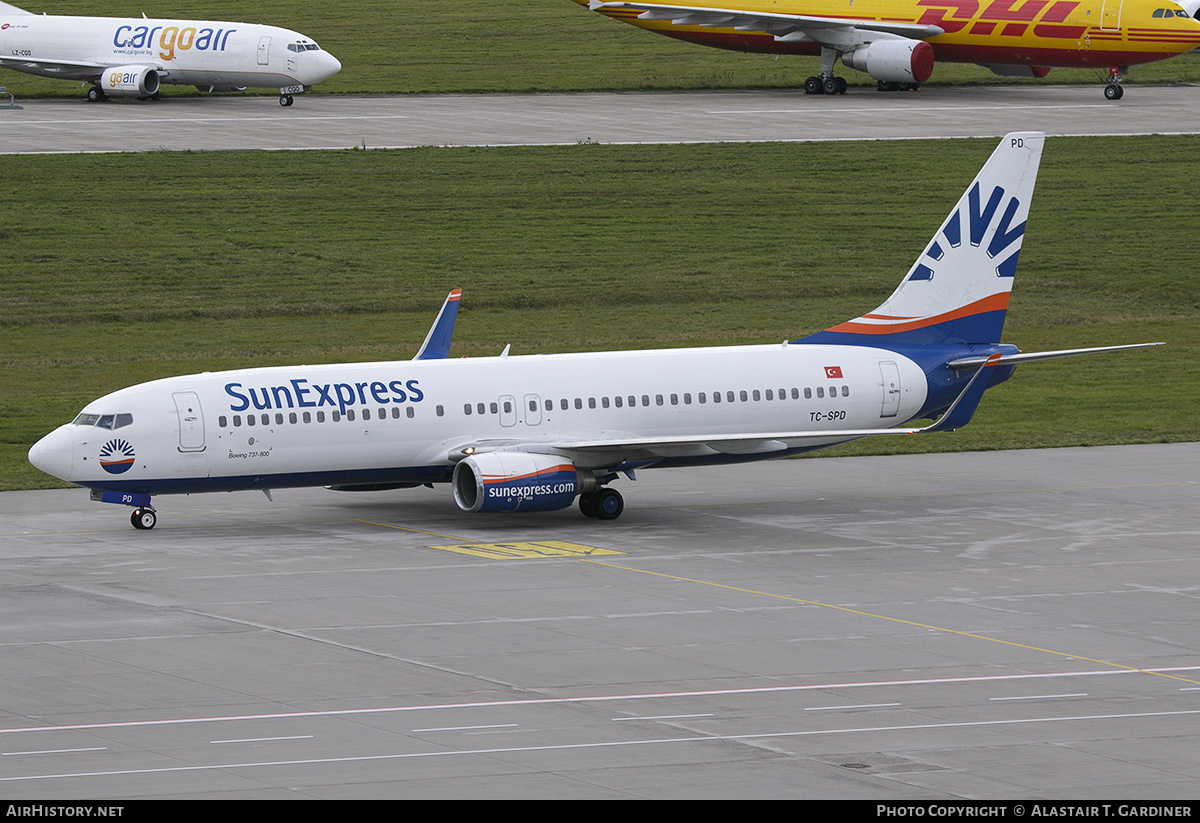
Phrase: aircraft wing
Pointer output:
(67, 69)
(621, 448)
(837, 32)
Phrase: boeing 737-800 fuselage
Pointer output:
(134, 56)
(535, 433)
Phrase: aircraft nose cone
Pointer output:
(327, 65)
(54, 454)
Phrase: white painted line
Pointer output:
(55, 751)
(609, 744)
(294, 737)
(548, 701)
(467, 728)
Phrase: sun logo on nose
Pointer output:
(116, 456)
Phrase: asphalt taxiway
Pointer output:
(983, 625)
(344, 122)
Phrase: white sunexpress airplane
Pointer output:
(131, 57)
(533, 433)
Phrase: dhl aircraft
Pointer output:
(132, 57)
(534, 433)
(897, 42)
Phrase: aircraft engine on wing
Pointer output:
(893, 61)
(132, 81)
(512, 481)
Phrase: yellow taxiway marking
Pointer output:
(508, 551)
(524, 551)
(862, 613)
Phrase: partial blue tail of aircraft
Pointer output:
(957, 291)
(948, 312)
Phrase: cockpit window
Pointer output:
(302, 46)
(104, 421)
(1169, 13)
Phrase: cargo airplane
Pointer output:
(534, 433)
(133, 57)
(897, 42)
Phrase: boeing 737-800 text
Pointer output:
(897, 42)
(534, 433)
(132, 57)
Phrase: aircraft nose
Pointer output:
(55, 454)
(327, 66)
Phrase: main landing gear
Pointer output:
(602, 504)
(96, 95)
(143, 518)
(887, 85)
(1114, 90)
(825, 85)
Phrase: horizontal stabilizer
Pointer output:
(968, 363)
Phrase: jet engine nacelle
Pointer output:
(517, 481)
(893, 61)
(132, 81)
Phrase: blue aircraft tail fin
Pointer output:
(957, 291)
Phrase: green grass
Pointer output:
(117, 269)
(418, 46)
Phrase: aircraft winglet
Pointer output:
(437, 342)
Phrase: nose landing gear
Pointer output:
(1114, 90)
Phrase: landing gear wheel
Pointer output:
(143, 519)
(1114, 91)
(96, 95)
(285, 100)
(908, 87)
(813, 85)
(834, 85)
(587, 504)
(609, 504)
(887, 85)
